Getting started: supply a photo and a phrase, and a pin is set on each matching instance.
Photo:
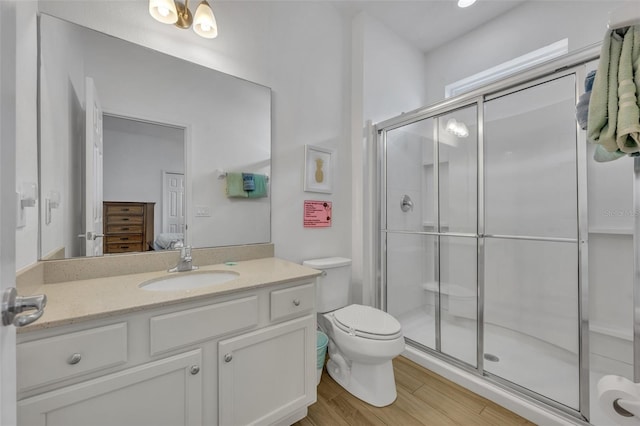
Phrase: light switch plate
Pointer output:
(203, 211)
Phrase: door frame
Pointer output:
(94, 176)
(8, 40)
(167, 122)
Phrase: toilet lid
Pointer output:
(365, 321)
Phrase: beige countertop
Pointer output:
(82, 300)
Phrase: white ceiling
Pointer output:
(427, 24)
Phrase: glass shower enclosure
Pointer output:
(484, 239)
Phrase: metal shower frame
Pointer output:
(572, 64)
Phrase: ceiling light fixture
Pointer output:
(172, 12)
(465, 3)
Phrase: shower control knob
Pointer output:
(228, 358)
(406, 204)
(296, 302)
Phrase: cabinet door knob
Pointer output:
(228, 358)
(74, 359)
(296, 302)
(194, 369)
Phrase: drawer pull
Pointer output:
(125, 210)
(228, 358)
(194, 369)
(125, 229)
(124, 239)
(125, 218)
(296, 302)
(74, 359)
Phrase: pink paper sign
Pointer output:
(317, 214)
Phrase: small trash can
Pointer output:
(321, 349)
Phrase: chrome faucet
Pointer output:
(184, 264)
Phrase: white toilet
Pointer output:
(362, 340)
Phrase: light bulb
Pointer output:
(163, 11)
(204, 22)
(465, 3)
(463, 131)
(451, 125)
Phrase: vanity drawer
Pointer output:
(124, 229)
(56, 358)
(292, 301)
(183, 328)
(123, 220)
(133, 238)
(124, 209)
(123, 247)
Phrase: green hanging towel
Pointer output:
(628, 126)
(260, 190)
(235, 187)
(603, 105)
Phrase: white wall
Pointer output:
(521, 30)
(387, 78)
(308, 74)
(62, 136)
(26, 126)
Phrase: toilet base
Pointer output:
(373, 383)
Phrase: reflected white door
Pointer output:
(173, 202)
(93, 174)
(7, 207)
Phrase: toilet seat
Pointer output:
(367, 322)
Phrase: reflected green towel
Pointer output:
(260, 190)
(235, 187)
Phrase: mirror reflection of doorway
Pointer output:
(140, 157)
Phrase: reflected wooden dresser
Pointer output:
(128, 226)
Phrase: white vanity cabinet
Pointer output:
(166, 392)
(235, 359)
(259, 380)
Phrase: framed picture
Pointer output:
(318, 169)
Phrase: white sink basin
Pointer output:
(188, 280)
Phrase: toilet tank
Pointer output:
(332, 291)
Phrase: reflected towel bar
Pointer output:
(221, 174)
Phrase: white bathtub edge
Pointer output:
(522, 407)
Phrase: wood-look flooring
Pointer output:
(424, 398)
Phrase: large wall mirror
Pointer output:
(136, 148)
